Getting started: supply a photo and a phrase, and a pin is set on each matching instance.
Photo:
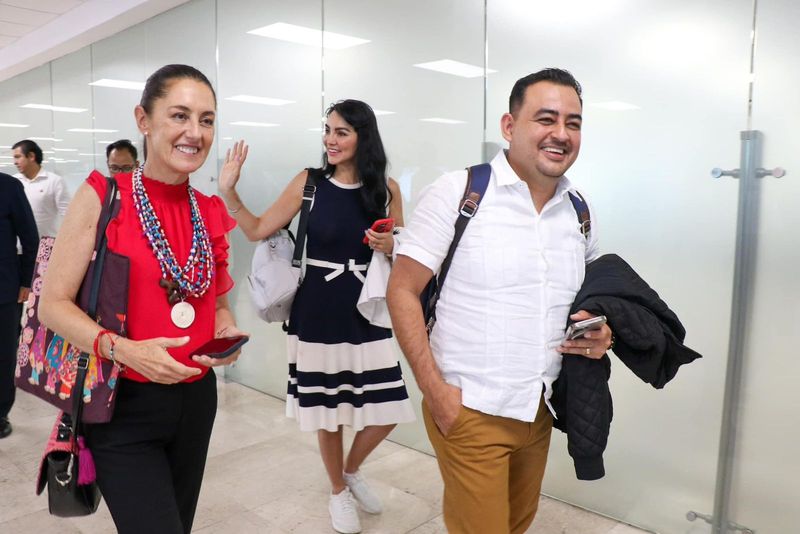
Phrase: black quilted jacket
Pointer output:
(649, 341)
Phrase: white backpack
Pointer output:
(273, 280)
(275, 270)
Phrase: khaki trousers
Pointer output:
(492, 469)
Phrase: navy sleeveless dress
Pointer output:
(342, 369)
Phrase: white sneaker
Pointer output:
(344, 516)
(367, 498)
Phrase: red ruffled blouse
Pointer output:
(148, 309)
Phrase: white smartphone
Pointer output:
(577, 330)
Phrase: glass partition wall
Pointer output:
(666, 91)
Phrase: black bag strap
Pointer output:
(477, 181)
(110, 203)
(302, 226)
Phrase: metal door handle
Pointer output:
(716, 172)
(777, 172)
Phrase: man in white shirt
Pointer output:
(46, 191)
(486, 371)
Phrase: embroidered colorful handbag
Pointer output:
(47, 365)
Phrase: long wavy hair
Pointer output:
(370, 157)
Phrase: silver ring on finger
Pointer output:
(588, 351)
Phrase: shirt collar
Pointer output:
(41, 176)
(505, 175)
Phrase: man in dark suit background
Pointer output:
(16, 272)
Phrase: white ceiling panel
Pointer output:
(33, 32)
(46, 6)
(19, 15)
(12, 29)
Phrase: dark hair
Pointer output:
(156, 86)
(122, 144)
(556, 76)
(26, 146)
(370, 157)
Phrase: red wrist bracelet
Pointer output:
(96, 345)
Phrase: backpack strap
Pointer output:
(582, 210)
(477, 181)
(309, 190)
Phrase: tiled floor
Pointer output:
(263, 476)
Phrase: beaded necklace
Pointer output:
(194, 278)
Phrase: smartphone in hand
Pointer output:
(579, 329)
(380, 226)
(221, 347)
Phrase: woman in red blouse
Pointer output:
(151, 456)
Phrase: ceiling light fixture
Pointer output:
(91, 130)
(48, 107)
(264, 100)
(614, 105)
(12, 125)
(307, 36)
(456, 68)
(443, 121)
(118, 84)
(257, 124)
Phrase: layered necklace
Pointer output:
(194, 278)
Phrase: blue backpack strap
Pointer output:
(477, 181)
(582, 210)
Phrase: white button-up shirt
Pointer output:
(504, 306)
(49, 198)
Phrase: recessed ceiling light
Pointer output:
(315, 129)
(379, 112)
(54, 108)
(250, 123)
(118, 84)
(456, 68)
(12, 125)
(265, 100)
(53, 139)
(614, 105)
(91, 130)
(6, 157)
(307, 36)
(65, 149)
(442, 121)
(87, 154)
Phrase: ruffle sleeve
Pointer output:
(98, 183)
(219, 224)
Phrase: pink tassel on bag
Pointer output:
(86, 470)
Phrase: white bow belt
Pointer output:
(340, 268)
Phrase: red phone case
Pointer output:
(380, 226)
(221, 347)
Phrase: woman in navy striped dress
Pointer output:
(342, 369)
